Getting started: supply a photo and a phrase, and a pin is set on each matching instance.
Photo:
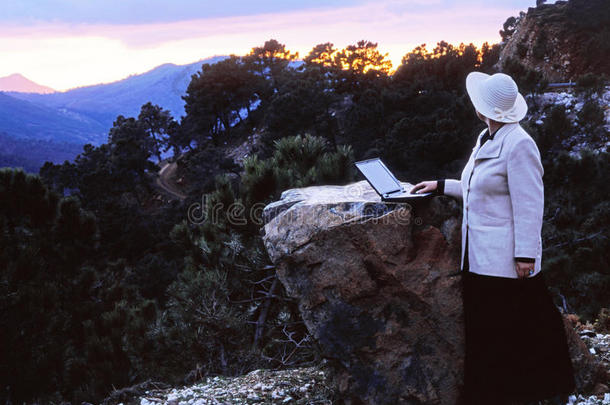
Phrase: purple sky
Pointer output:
(69, 43)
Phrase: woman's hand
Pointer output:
(523, 268)
(424, 187)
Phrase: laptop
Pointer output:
(385, 183)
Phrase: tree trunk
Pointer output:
(262, 316)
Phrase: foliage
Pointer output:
(303, 104)
(590, 84)
(591, 118)
(298, 161)
(577, 214)
(510, 25)
(528, 80)
(270, 61)
(322, 55)
(200, 167)
(555, 129)
(54, 324)
(442, 68)
(157, 123)
(217, 94)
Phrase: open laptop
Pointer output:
(385, 183)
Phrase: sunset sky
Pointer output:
(69, 43)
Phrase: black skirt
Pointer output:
(516, 346)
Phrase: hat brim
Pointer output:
(473, 87)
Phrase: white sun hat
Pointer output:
(496, 96)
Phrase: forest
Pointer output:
(106, 282)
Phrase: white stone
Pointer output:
(277, 394)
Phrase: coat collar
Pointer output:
(492, 148)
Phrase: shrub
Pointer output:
(297, 161)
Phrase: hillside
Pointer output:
(163, 85)
(563, 40)
(30, 154)
(57, 125)
(28, 120)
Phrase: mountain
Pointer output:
(35, 128)
(17, 82)
(163, 85)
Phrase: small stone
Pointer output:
(277, 394)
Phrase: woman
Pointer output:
(516, 347)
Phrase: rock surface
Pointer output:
(554, 39)
(377, 289)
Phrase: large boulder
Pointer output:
(377, 288)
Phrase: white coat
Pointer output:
(503, 202)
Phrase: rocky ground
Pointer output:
(599, 345)
(573, 103)
(310, 385)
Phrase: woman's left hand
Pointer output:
(523, 269)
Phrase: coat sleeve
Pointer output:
(453, 188)
(526, 189)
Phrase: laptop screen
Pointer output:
(379, 176)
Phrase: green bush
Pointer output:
(590, 83)
(574, 233)
(297, 161)
(557, 126)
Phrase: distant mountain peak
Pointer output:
(20, 83)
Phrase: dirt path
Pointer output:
(165, 180)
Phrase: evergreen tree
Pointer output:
(216, 96)
(156, 122)
(270, 62)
